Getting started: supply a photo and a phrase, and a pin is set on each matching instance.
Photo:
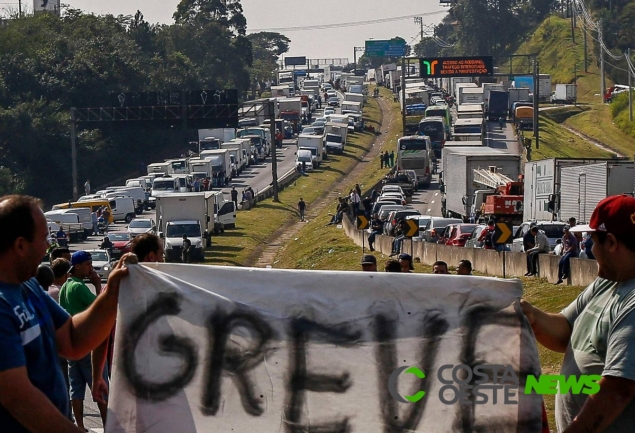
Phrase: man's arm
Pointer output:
(29, 406)
(85, 331)
(552, 330)
(601, 409)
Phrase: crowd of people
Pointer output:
(56, 333)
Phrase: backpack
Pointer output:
(488, 242)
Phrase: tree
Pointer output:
(226, 13)
(266, 47)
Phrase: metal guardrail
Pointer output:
(283, 181)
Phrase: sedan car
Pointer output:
(308, 130)
(459, 234)
(139, 226)
(318, 127)
(101, 263)
(473, 240)
(329, 111)
(334, 101)
(121, 243)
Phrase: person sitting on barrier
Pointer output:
(570, 248)
(376, 228)
(400, 234)
(541, 243)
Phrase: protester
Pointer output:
(376, 228)
(369, 263)
(596, 332)
(587, 244)
(148, 248)
(440, 267)
(487, 234)
(185, 249)
(405, 261)
(392, 266)
(367, 203)
(464, 267)
(234, 195)
(355, 201)
(301, 208)
(60, 252)
(541, 246)
(45, 276)
(391, 158)
(60, 268)
(87, 186)
(62, 238)
(570, 247)
(529, 239)
(76, 297)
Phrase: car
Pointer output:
(395, 216)
(385, 211)
(318, 126)
(308, 130)
(472, 241)
(101, 262)
(140, 226)
(334, 101)
(393, 195)
(553, 229)
(459, 234)
(121, 243)
(445, 234)
(329, 111)
(330, 93)
(413, 176)
(393, 200)
(326, 87)
(391, 188)
(435, 228)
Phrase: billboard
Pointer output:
(391, 48)
(295, 61)
(51, 6)
(437, 67)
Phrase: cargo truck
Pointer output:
(542, 199)
(332, 143)
(355, 97)
(223, 134)
(498, 105)
(221, 164)
(158, 168)
(458, 185)
(565, 93)
(351, 107)
(470, 95)
(315, 143)
(236, 157)
(528, 81)
(454, 81)
(291, 110)
(517, 95)
(584, 186)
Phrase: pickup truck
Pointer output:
(402, 179)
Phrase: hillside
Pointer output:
(563, 59)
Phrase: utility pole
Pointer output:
(403, 94)
(630, 91)
(602, 80)
(575, 82)
(274, 162)
(573, 23)
(74, 153)
(19, 8)
(419, 20)
(536, 98)
(586, 67)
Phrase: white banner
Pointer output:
(225, 349)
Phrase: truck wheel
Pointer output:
(129, 218)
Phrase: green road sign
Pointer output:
(394, 48)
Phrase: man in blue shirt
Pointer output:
(34, 329)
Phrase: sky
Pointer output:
(314, 43)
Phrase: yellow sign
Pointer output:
(503, 233)
(413, 228)
(362, 222)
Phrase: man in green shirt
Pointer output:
(596, 332)
(75, 298)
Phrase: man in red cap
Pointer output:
(596, 332)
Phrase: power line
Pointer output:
(341, 25)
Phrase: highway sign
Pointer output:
(394, 48)
(456, 66)
(503, 233)
(413, 228)
(295, 61)
(362, 222)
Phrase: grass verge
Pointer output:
(256, 226)
(557, 142)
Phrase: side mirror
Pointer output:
(551, 204)
(464, 200)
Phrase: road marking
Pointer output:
(429, 210)
(436, 194)
(432, 202)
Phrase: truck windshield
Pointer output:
(333, 138)
(163, 185)
(209, 144)
(178, 230)
(420, 144)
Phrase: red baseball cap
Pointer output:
(615, 214)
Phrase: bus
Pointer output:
(415, 153)
(434, 127)
(440, 111)
(469, 130)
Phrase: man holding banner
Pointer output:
(596, 332)
(34, 329)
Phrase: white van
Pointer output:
(122, 209)
(304, 155)
(84, 215)
(138, 194)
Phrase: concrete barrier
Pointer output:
(549, 267)
(583, 271)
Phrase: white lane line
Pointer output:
(432, 202)
(436, 194)
(429, 210)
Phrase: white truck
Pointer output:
(238, 160)
(470, 95)
(159, 168)
(458, 186)
(458, 82)
(221, 163)
(584, 186)
(335, 135)
(354, 97)
(351, 107)
(517, 95)
(542, 200)
(178, 215)
(245, 145)
(565, 93)
(223, 134)
(314, 143)
(291, 110)
(201, 165)
(280, 91)
(178, 166)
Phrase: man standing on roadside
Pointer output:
(355, 201)
(301, 208)
(185, 250)
(596, 332)
(87, 186)
(392, 158)
(34, 397)
(234, 195)
(75, 297)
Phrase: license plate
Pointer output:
(115, 250)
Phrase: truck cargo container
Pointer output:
(469, 95)
(564, 93)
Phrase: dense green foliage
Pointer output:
(51, 63)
